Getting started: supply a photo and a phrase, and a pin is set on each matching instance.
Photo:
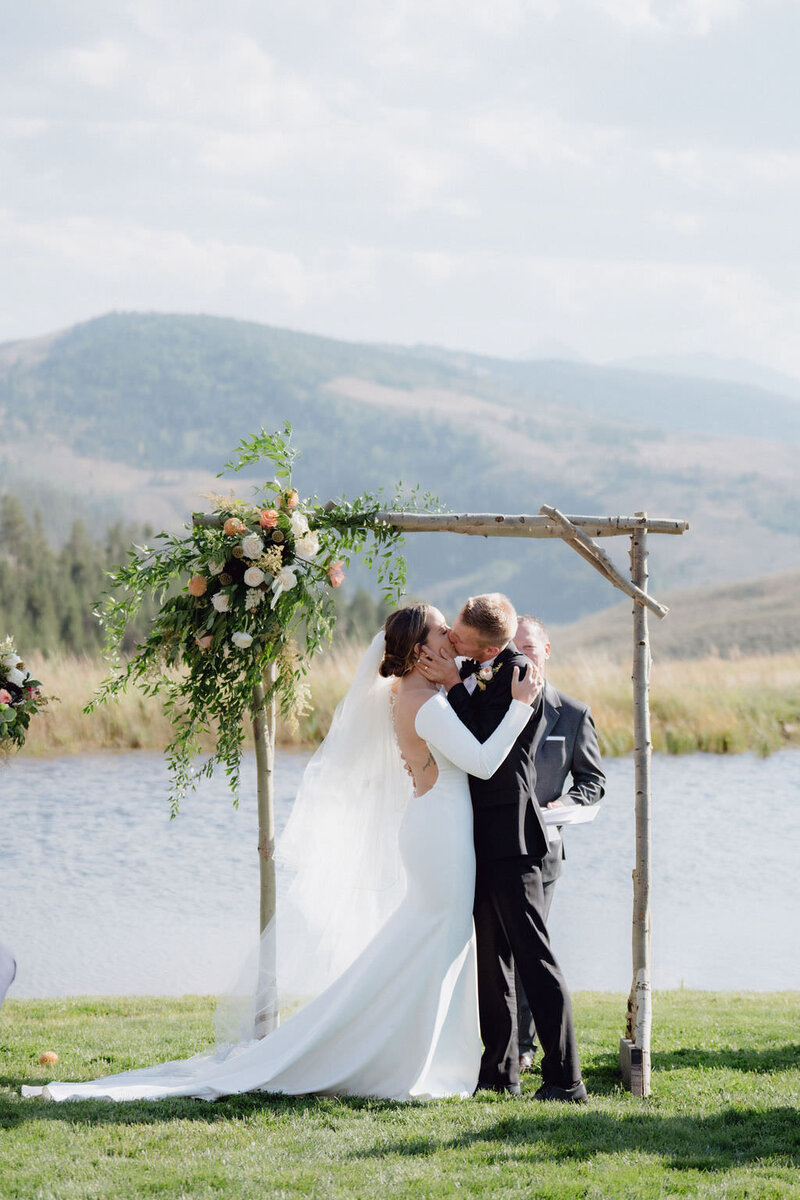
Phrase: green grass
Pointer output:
(722, 1121)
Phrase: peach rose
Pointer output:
(197, 585)
(204, 641)
(233, 527)
(291, 499)
(268, 518)
(336, 574)
(48, 1058)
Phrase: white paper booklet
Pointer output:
(570, 814)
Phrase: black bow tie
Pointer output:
(468, 667)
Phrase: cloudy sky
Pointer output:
(620, 177)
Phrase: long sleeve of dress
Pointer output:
(439, 726)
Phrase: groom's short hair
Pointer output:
(492, 616)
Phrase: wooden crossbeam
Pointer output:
(525, 525)
(600, 560)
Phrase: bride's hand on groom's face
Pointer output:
(528, 688)
(439, 668)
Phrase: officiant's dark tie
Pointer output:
(468, 667)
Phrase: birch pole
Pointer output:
(264, 737)
(635, 1047)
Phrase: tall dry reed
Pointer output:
(712, 704)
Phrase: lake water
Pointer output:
(100, 893)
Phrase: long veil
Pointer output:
(339, 852)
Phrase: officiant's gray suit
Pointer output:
(565, 748)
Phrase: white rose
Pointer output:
(242, 640)
(221, 601)
(253, 576)
(252, 546)
(284, 581)
(216, 568)
(308, 545)
(299, 524)
(11, 660)
(252, 599)
(15, 676)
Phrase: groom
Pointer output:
(510, 843)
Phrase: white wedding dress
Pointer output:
(401, 1021)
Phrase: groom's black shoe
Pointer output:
(503, 1089)
(573, 1095)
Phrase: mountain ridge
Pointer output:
(143, 408)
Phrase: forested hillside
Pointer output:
(49, 594)
(127, 417)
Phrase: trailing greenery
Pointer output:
(235, 594)
(50, 588)
(723, 1120)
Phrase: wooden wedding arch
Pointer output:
(578, 532)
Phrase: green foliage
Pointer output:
(235, 593)
(48, 595)
(722, 1120)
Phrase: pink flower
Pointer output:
(268, 518)
(336, 574)
(5, 697)
(204, 641)
(291, 499)
(233, 526)
(32, 693)
(197, 585)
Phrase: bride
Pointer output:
(400, 1021)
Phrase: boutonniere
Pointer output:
(487, 674)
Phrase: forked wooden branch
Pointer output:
(600, 560)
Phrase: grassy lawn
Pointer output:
(723, 1119)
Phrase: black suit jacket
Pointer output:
(507, 820)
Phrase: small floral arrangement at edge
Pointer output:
(20, 698)
(238, 590)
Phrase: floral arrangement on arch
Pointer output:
(245, 594)
(20, 698)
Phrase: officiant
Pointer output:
(568, 772)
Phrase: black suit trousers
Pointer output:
(526, 1027)
(510, 928)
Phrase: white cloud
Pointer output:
(490, 175)
(712, 170)
(525, 137)
(686, 224)
(697, 18)
(99, 65)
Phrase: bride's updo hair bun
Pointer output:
(403, 630)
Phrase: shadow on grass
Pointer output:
(733, 1137)
(14, 1110)
(518, 1130)
(777, 1058)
